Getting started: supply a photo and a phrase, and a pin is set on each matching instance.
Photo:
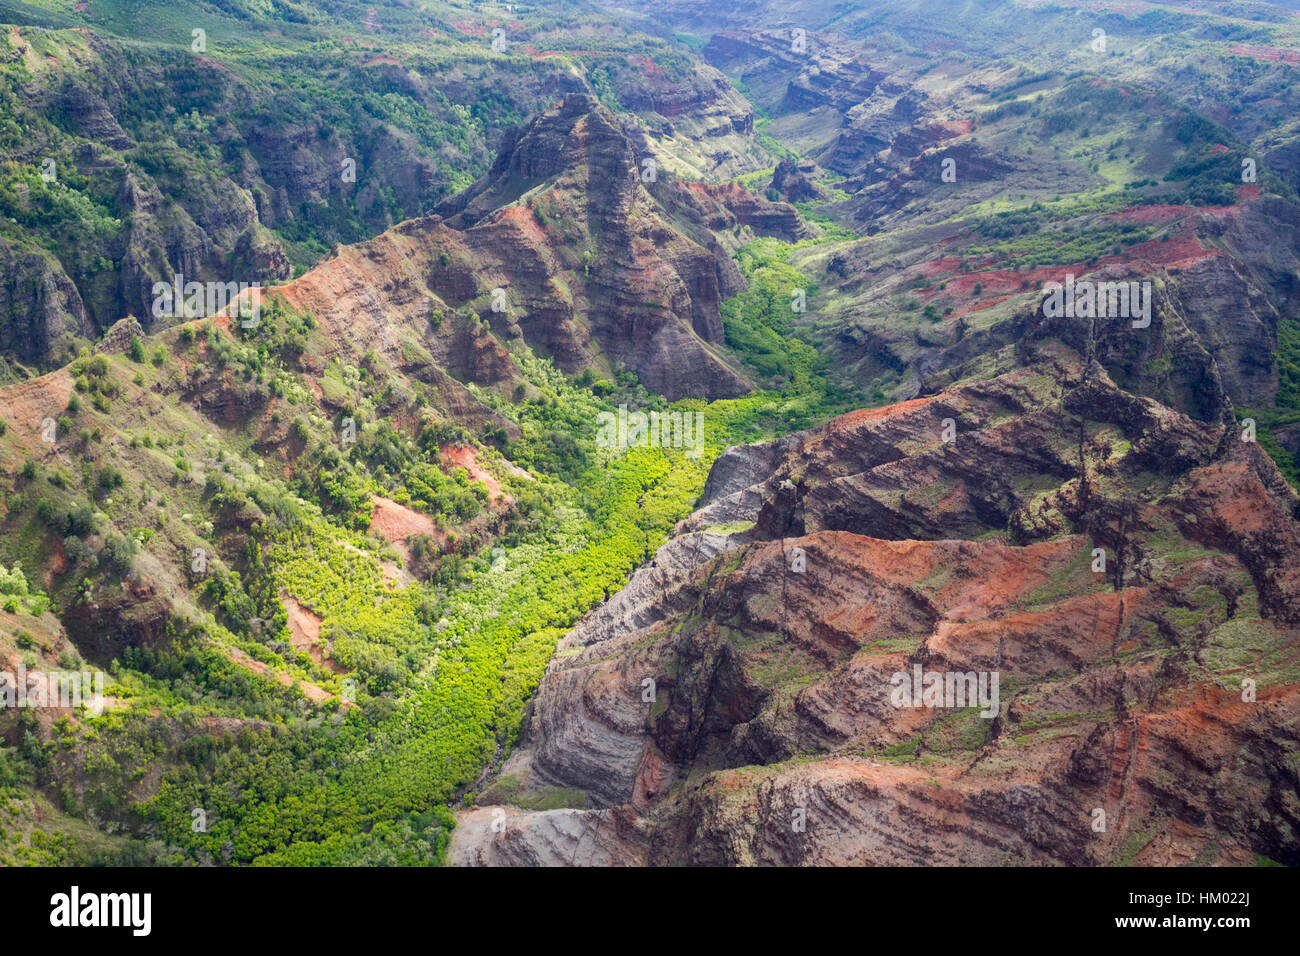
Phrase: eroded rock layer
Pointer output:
(574, 243)
(1128, 574)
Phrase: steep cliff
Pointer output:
(577, 243)
(735, 703)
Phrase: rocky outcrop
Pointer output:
(916, 164)
(743, 208)
(598, 262)
(110, 620)
(816, 69)
(118, 338)
(39, 304)
(795, 180)
(734, 704)
(1233, 302)
(550, 838)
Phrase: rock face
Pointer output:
(566, 243)
(778, 219)
(736, 703)
(824, 72)
(111, 621)
(39, 304)
(552, 838)
(118, 338)
(160, 213)
(572, 242)
(795, 180)
(914, 166)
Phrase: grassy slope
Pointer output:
(444, 666)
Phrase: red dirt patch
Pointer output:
(1175, 253)
(26, 405)
(395, 523)
(1000, 282)
(979, 305)
(1273, 54)
(463, 456)
(996, 285)
(646, 65)
(957, 127)
(945, 266)
(1153, 215)
(852, 419)
(522, 219)
(304, 633)
(311, 691)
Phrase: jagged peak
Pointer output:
(578, 130)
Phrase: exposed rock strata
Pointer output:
(771, 736)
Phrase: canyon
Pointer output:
(394, 577)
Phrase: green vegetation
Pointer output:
(760, 325)
(236, 472)
(1286, 413)
(1053, 247)
(356, 755)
